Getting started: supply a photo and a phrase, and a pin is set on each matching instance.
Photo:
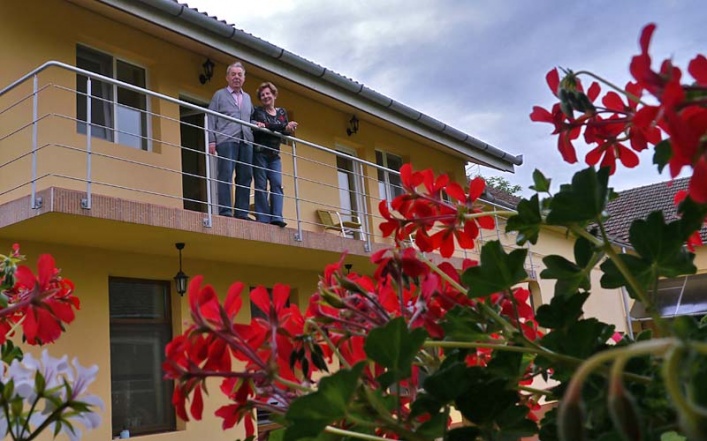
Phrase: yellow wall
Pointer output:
(31, 36)
(604, 304)
(90, 269)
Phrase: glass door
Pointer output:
(351, 196)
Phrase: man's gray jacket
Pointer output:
(222, 130)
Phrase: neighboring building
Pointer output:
(678, 296)
(111, 206)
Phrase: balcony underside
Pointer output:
(138, 227)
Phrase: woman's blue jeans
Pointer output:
(268, 204)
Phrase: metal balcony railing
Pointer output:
(50, 135)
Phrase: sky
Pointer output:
(479, 65)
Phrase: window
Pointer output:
(140, 328)
(351, 197)
(117, 114)
(678, 296)
(389, 185)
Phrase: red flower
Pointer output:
(698, 182)
(46, 301)
(566, 132)
(698, 69)
(695, 240)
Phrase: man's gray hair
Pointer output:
(234, 65)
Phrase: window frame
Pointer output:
(164, 325)
(390, 190)
(113, 130)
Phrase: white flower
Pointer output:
(59, 377)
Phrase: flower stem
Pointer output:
(293, 385)
(331, 344)
(350, 434)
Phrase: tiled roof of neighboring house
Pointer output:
(637, 203)
(499, 197)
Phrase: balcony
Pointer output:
(80, 167)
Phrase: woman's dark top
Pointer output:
(276, 123)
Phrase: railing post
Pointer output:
(298, 234)
(530, 261)
(208, 221)
(364, 215)
(86, 202)
(35, 202)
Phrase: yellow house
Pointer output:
(104, 165)
(137, 75)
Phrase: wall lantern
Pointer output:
(208, 71)
(353, 126)
(348, 267)
(181, 279)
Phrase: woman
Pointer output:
(267, 165)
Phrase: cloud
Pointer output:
(477, 65)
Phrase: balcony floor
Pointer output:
(138, 227)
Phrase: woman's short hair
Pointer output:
(267, 85)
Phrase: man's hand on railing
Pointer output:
(212, 148)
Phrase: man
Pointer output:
(233, 143)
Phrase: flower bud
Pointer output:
(570, 421)
(332, 299)
(624, 414)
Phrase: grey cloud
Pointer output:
(480, 65)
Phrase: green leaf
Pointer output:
(425, 403)
(496, 398)
(570, 277)
(10, 352)
(394, 347)
(662, 153)
(507, 365)
(692, 217)
(448, 383)
(435, 427)
(561, 311)
(613, 278)
(514, 425)
(463, 434)
(661, 245)
(39, 383)
(660, 254)
(496, 272)
(541, 184)
(672, 436)
(527, 222)
(580, 339)
(464, 324)
(583, 251)
(583, 201)
(277, 435)
(311, 413)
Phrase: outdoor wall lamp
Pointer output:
(181, 279)
(208, 71)
(348, 267)
(353, 126)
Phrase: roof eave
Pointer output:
(221, 36)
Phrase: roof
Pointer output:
(500, 197)
(634, 203)
(637, 203)
(211, 31)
